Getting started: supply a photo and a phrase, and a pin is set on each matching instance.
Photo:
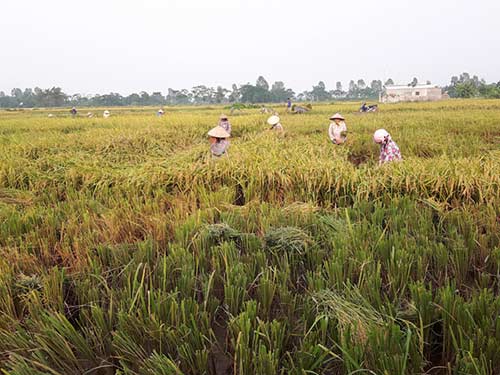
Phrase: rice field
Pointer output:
(126, 249)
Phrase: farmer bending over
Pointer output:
(218, 141)
(225, 124)
(389, 150)
(274, 121)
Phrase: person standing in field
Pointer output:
(73, 112)
(274, 121)
(389, 150)
(106, 114)
(288, 105)
(225, 124)
(218, 141)
(160, 112)
(338, 129)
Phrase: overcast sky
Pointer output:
(101, 46)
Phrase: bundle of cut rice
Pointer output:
(287, 240)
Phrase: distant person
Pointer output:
(218, 141)
(288, 105)
(389, 150)
(368, 108)
(225, 124)
(106, 114)
(274, 121)
(338, 129)
(73, 112)
(160, 113)
(298, 110)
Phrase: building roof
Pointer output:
(396, 87)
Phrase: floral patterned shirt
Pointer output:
(389, 151)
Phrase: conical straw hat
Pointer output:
(273, 120)
(218, 132)
(337, 116)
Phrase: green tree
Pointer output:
(466, 90)
(376, 86)
(353, 90)
(220, 94)
(279, 93)
(262, 83)
(254, 94)
(235, 94)
(319, 92)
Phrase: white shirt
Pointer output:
(335, 131)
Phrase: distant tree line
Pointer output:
(463, 86)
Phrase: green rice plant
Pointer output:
(266, 291)
(161, 365)
(258, 345)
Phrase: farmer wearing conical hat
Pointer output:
(274, 121)
(106, 114)
(338, 129)
(218, 141)
(225, 124)
(389, 150)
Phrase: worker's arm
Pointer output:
(330, 133)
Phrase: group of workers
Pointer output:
(337, 132)
(74, 113)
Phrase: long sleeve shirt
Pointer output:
(278, 127)
(226, 125)
(219, 147)
(389, 151)
(335, 132)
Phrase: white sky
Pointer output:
(99, 46)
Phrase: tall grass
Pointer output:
(125, 249)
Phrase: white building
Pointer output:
(405, 93)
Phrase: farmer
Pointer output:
(160, 112)
(389, 150)
(73, 112)
(338, 129)
(106, 114)
(218, 141)
(274, 121)
(288, 105)
(225, 124)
